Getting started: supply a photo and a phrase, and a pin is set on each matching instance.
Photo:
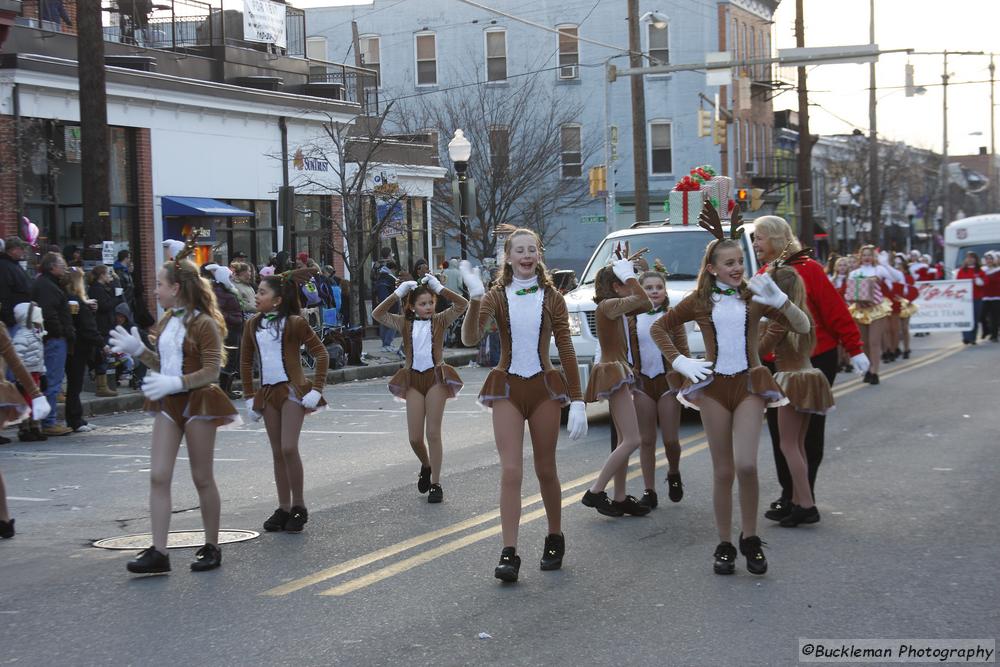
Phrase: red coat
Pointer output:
(977, 277)
(992, 287)
(833, 322)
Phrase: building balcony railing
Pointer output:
(347, 83)
(771, 169)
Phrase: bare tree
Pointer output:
(517, 160)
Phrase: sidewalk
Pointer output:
(379, 364)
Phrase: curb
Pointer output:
(133, 400)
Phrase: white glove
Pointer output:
(979, 282)
(766, 291)
(883, 258)
(472, 280)
(433, 283)
(40, 408)
(624, 269)
(123, 342)
(577, 423)
(252, 415)
(695, 370)
(405, 287)
(311, 400)
(860, 363)
(156, 386)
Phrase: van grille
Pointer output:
(592, 322)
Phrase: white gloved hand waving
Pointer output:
(405, 288)
(40, 408)
(860, 363)
(431, 281)
(124, 342)
(695, 370)
(473, 282)
(311, 400)
(157, 386)
(766, 291)
(577, 423)
(624, 269)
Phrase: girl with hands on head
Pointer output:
(185, 401)
(524, 388)
(425, 382)
(273, 337)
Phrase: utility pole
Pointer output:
(806, 233)
(994, 200)
(638, 117)
(875, 190)
(945, 174)
(358, 62)
(93, 128)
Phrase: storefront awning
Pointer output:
(202, 206)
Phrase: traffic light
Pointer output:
(598, 177)
(743, 199)
(719, 131)
(704, 123)
(756, 199)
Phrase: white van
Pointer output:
(679, 248)
(976, 234)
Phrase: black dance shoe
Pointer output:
(424, 480)
(510, 565)
(906, 354)
(779, 509)
(874, 379)
(725, 558)
(632, 507)
(800, 515)
(601, 502)
(867, 377)
(649, 499)
(149, 561)
(277, 521)
(436, 494)
(675, 489)
(207, 558)
(751, 547)
(7, 529)
(297, 520)
(552, 552)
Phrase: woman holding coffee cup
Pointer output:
(81, 354)
(102, 291)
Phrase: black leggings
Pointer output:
(76, 370)
(991, 318)
(827, 362)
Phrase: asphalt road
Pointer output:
(906, 548)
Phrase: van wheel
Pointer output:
(564, 416)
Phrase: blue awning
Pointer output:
(201, 206)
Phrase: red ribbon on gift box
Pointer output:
(687, 184)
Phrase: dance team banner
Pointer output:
(944, 305)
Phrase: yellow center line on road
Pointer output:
(572, 486)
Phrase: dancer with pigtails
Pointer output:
(732, 397)
(524, 387)
(273, 337)
(185, 400)
(424, 382)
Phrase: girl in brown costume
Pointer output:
(618, 294)
(182, 395)
(524, 387)
(731, 401)
(425, 382)
(806, 388)
(274, 337)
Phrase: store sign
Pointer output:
(71, 134)
(384, 183)
(108, 252)
(944, 305)
(264, 21)
(303, 163)
(391, 216)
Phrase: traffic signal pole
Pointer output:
(806, 233)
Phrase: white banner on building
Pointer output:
(945, 305)
(264, 21)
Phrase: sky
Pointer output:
(841, 91)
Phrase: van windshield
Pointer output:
(680, 252)
(979, 249)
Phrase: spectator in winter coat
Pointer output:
(232, 313)
(243, 287)
(85, 351)
(15, 286)
(102, 292)
(60, 335)
(30, 347)
(385, 284)
(123, 272)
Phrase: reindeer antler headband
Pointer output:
(297, 276)
(709, 219)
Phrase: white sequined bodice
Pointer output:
(420, 338)
(729, 315)
(525, 327)
(170, 345)
(272, 366)
(652, 358)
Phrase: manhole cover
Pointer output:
(177, 539)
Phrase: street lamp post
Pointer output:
(463, 187)
(911, 213)
(843, 201)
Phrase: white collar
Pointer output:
(518, 283)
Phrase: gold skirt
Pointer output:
(866, 314)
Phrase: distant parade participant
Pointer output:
(182, 395)
(807, 389)
(273, 338)
(972, 271)
(867, 288)
(14, 409)
(618, 295)
(991, 295)
(655, 391)
(902, 295)
(524, 387)
(837, 341)
(425, 382)
(731, 398)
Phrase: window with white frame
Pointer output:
(496, 55)
(660, 148)
(499, 148)
(571, 146)
(370, 56)
(569, 51)
(659, 46)
(425, 44)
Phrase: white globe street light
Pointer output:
(460, 150)
(658, 20)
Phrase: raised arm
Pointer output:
(481, 311)
(636, 301)
(459, 304)
(382, 315)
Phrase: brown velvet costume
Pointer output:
(295, 334)
(806, 387)
(13, 409)
(202, 354)
(441, 373)
(549, 384)
(614, 370)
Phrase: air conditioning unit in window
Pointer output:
(750, 168)
(569, 71)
